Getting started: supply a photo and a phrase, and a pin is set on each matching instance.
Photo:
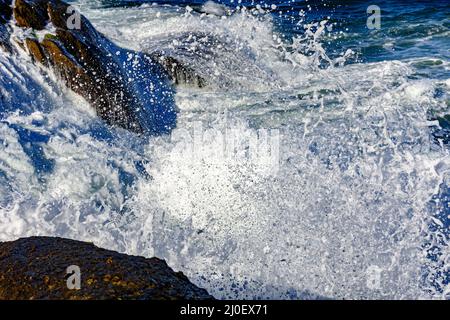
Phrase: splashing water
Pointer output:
(354, 208)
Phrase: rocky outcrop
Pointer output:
(36, 268)
(5, 16)
(31, 14)
(127, 88)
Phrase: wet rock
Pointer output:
(35, 50)
(127, 88)
(179, 73)
(36, 268)
(31, 13)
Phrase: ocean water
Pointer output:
(314, 164)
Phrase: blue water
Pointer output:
(408, 24)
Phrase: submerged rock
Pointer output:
(178, 72)
(36, 268)
(127, 88)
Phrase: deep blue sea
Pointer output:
(315, 163)
(410, 29)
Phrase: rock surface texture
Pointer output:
(128, 89)
(5, 16)
(36, 268)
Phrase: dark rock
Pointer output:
(36, 268)
(31, 13)
(35, 50)
(127, 88)
(179, 73)
(5, 16)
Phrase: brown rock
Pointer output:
(31, 14)
(126, 88)
(36, 268)
(133, 93)
(179, 73)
